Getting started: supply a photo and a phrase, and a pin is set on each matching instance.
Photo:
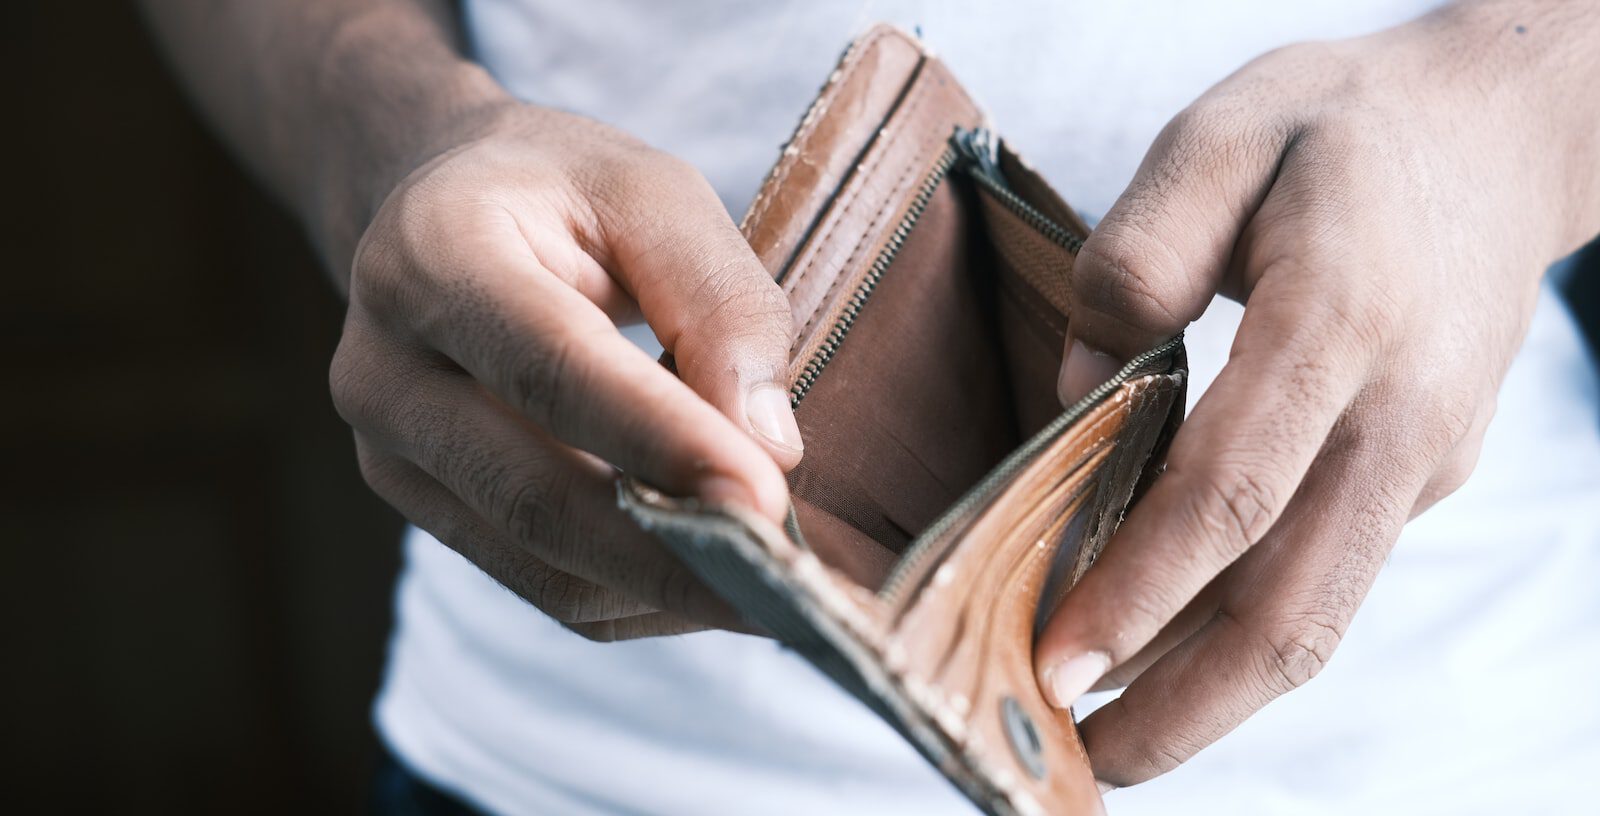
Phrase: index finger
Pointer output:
(1232, 469)
(549, 353)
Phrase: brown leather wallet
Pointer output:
(945, 502)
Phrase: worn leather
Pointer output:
(945, 501)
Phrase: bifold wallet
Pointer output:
(946, 500)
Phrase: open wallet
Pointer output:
(946, 501)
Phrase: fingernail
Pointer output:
(1105, 787)
(1069, 679)
(768, 410)
(1082, 370)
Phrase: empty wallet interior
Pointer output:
(942, 362)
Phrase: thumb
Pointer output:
(714, 306)
(1154, 262)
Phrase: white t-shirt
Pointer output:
(1465, 685)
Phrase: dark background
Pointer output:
(197, 581)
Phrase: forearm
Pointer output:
(331, 102)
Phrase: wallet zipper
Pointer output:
(977, 151)
(980, 150)
(852, 307)
(934, 541)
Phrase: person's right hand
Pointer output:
(491, 393)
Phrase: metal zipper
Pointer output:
(981, 150)
(858, 298)
(934, 540)
(976, 150)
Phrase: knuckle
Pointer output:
(1226, 128)
(374, 470)
(1451, 477)
(676, 589)
(412, 228)
(558, 594)
(368, 387)
(1335, 315)
(345, 383)
(405, 229)
(1455, 420)
(622, 179)
(1449, 421)
(1292, 652)
(594, 631)
(1232, 506)
(563, 597)
(741, 309)
(1301, 650)
(1203, 128)
(1129, 280)
(543, 516)
(680, 173)
(666, 174)
(1367, 323)
(533, 510)
(544, 376)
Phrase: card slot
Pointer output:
(916, 404)
(1032, 256)
(946, 370)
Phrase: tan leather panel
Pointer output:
(967, 639)
(859, 95)
(872, 202)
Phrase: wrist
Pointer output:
(385, 112)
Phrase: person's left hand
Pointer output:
(1385, 207)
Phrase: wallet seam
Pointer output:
(922, 92)
(808, 127)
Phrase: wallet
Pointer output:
(946, 500)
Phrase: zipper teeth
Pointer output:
(960, 147)
(926, 545)
(1027, 212)
(880, 265)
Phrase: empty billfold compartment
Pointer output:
(944, 365)
(945, 499)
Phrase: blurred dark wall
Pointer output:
(196, 579)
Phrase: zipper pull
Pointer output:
(979, 150)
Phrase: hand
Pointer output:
(491, 393)
(1384, 207)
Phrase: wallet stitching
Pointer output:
(828, 295)
(808, 126)
(866, 173)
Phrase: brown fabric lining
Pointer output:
(950, 365)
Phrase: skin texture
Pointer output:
(1384, 206)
